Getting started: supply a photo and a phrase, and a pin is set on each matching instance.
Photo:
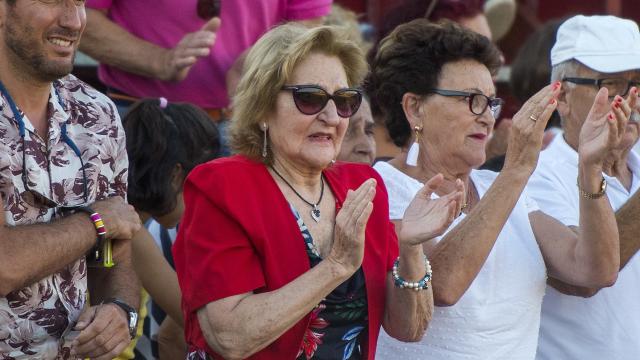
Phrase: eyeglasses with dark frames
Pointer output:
(615, 86)
(311, 99)
(478, 103)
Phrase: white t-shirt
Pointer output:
(499, 315)
(607, 325)
(636, 147)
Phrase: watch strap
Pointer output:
(132, 314)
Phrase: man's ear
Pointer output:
(563, 103)
(413, 109)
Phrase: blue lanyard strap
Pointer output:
(20, 119)
(14, 109)
(63, 134)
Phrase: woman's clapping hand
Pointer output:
(425, 218)
(604, 128)
(348, 238)
(527, 129)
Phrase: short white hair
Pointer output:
(565, 68)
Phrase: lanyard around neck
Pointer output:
(20, 119)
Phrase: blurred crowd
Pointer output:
(280, 180)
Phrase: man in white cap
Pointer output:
(578, 323)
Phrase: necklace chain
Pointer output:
(315, 212)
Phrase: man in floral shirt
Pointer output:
(62, 145)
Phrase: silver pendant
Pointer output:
(315, 213)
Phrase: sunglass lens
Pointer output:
(310, 101)
(347, 102)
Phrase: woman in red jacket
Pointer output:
(283, 253)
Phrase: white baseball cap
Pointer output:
(606, 44)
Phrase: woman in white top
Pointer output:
(433, 84)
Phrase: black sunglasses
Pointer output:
(478, 103)
(208, 9)
(311, 99)
(615, 86)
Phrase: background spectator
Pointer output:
(240, 298)
(63, 161)
(165, 141)
(434, 84)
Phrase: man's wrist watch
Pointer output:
(132, 315)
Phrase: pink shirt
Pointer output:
(165, 23)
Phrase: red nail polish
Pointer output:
(616, 105)
(610, 117)
(619, 99)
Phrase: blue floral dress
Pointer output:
(338, 325)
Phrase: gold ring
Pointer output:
(533, 117)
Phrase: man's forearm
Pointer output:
(119, 281)
(628, 219)
(597, 250)
(29, 253)
(109, 43)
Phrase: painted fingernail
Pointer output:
(616, 105)
(619, 99)
(610, 116)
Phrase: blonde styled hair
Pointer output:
(270, 64)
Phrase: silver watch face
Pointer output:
(133, 322)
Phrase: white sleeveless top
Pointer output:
(498, 317)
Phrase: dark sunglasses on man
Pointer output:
(311, 99)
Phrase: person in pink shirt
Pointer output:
(151, 48)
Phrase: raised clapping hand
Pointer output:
(425, 218)
(604, 127)
(527, 129)
(348, 237)
(178, 61)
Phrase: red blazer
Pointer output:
(238, 234)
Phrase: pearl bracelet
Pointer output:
(423, 284)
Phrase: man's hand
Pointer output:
(120, 219)
(178, 61)
(104, 333)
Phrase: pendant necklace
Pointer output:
(315, 211)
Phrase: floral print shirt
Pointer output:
(35, 319)
(338, 325)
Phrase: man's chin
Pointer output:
(57, 71)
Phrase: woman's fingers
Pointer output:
(431, 186)
(632, 99)
(621, 116)
(541, 100)
(363, 218)
(600, 107)
(355, 203)
(622, 105)
(356, 196)
(614, 128)
(546, 112)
